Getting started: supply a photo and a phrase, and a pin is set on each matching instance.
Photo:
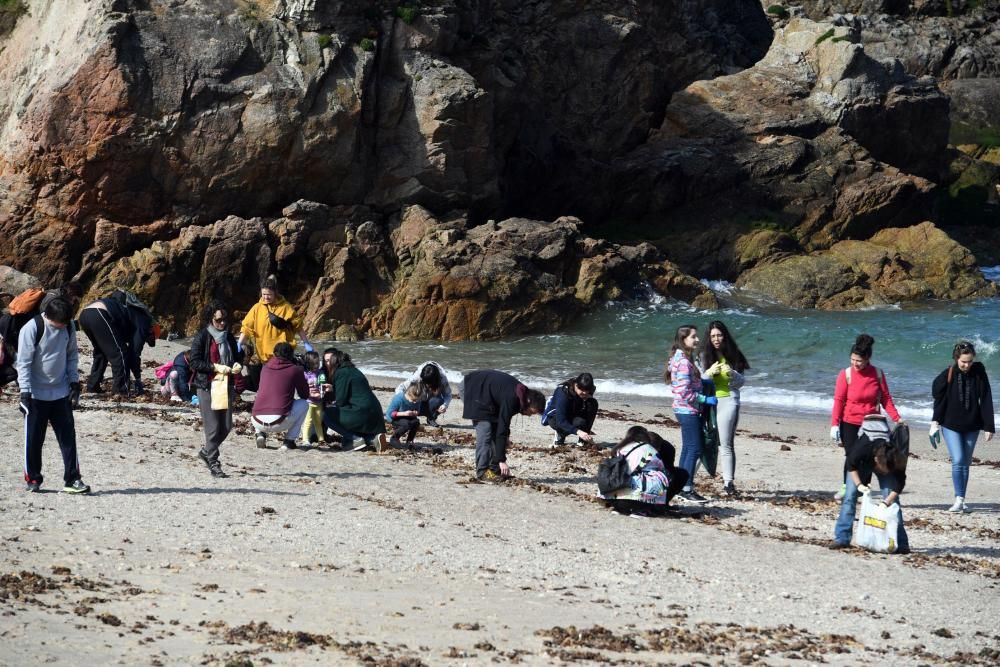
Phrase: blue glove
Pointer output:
(195, 401)
(309, 347)
(711, 400)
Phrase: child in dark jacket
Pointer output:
(403, 412)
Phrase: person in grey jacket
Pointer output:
(436, 396)
(49, 378)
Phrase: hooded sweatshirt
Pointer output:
(46, 370)
(280, 380)
(257, 325)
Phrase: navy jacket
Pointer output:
(492, 396)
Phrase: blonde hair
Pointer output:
(414, 391)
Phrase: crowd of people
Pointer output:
(320, 398)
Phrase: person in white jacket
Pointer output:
(49, 379)
(436, 397)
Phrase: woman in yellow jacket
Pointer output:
(272, 320)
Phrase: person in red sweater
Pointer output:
(275, 409)
(861, 390)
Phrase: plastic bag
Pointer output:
(710, 440)
(220, 392)
(878, 526)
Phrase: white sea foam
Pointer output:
(718, 286)
(984, 348)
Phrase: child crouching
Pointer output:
(403, 412)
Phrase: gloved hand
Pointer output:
(239, 346)
(24, 404)
(137, 387)
(934, 429)
(74, 395)
(195, 401)
(308, 346)
(835, 433)
(864, 489)
(714, 369)
(221, 369)
(711, 400)
(237, 367)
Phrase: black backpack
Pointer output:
(614, 472)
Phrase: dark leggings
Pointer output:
(848, 436)
(678, 478)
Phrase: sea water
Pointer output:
(795, 355)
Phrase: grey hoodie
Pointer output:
(47, 369)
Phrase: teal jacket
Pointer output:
(360, 411)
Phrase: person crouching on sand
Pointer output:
(491, 399)
(655, 479)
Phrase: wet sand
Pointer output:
(327, 557)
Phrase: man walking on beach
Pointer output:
(491, 399)
(49, 379)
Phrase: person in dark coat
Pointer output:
(214, 354)
(572, 410)
(355, 411)
(963, 406)
(491, 399)
(109, 328)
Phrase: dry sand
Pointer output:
(323, 557)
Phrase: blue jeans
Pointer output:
(848, 506)
(691, 437)
(429, 408)
(960, 448)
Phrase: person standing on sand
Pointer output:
(491, 399)
(861, 389)
(685, 386)
(214, 354)
(724, 364)
(270, 321)
(49, 379)
(963, 406)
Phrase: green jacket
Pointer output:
(360, 411)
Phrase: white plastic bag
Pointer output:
(878, 526)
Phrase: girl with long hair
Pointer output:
(685, 386)
(724, 363)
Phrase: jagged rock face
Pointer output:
(894, 265)
(816, 140)
(140, 112)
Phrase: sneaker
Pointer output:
(381, 443)
(640, 514)
(204, 457)
(958, 506)
(176, 399)
(76, 487)
(692, 497)
(394, 441)
(360, 447)
(34, 487)
(217, 471)
(966, 509)
(289, 444)
(839, 545)
(261, 440)
(433, 422)
(558, 441)
(491, 477)
(839, 495)
(729, 489)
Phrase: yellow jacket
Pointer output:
(265, 335)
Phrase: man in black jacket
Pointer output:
(491, 399)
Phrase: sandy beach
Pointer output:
(328, 557)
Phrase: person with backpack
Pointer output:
(688, 398)
(861, 389)
(871, 452)
(270, 321)
(214, 356)
(49, 380)
(22, 309)
(436, 396)
(491, 399)
(118, 326)
(723, 363)
(963, 406)
(571, 410)
(654, 480)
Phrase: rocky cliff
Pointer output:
(362, 150)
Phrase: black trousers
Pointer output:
(584, 421)
(848, 436)
(407, 425)
(7, 374)
(109, 346)
(678, 478)
(40, 415)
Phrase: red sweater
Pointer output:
(279, 380)
(852, 402)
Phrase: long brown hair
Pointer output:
(683, 332)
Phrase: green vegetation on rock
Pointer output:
(778, 11)
(407, 14)
(825, 36)
(324, 41)
(367, 44)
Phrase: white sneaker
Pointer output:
(966, 508)
(176, 399)
(261, 441)
(557, 441)
(958, 506)
(839, 495)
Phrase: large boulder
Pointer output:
(895, 265)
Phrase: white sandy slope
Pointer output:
(398, 558)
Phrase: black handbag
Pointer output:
(614, 472)
(277, 321)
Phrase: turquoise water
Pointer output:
(795, 355)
